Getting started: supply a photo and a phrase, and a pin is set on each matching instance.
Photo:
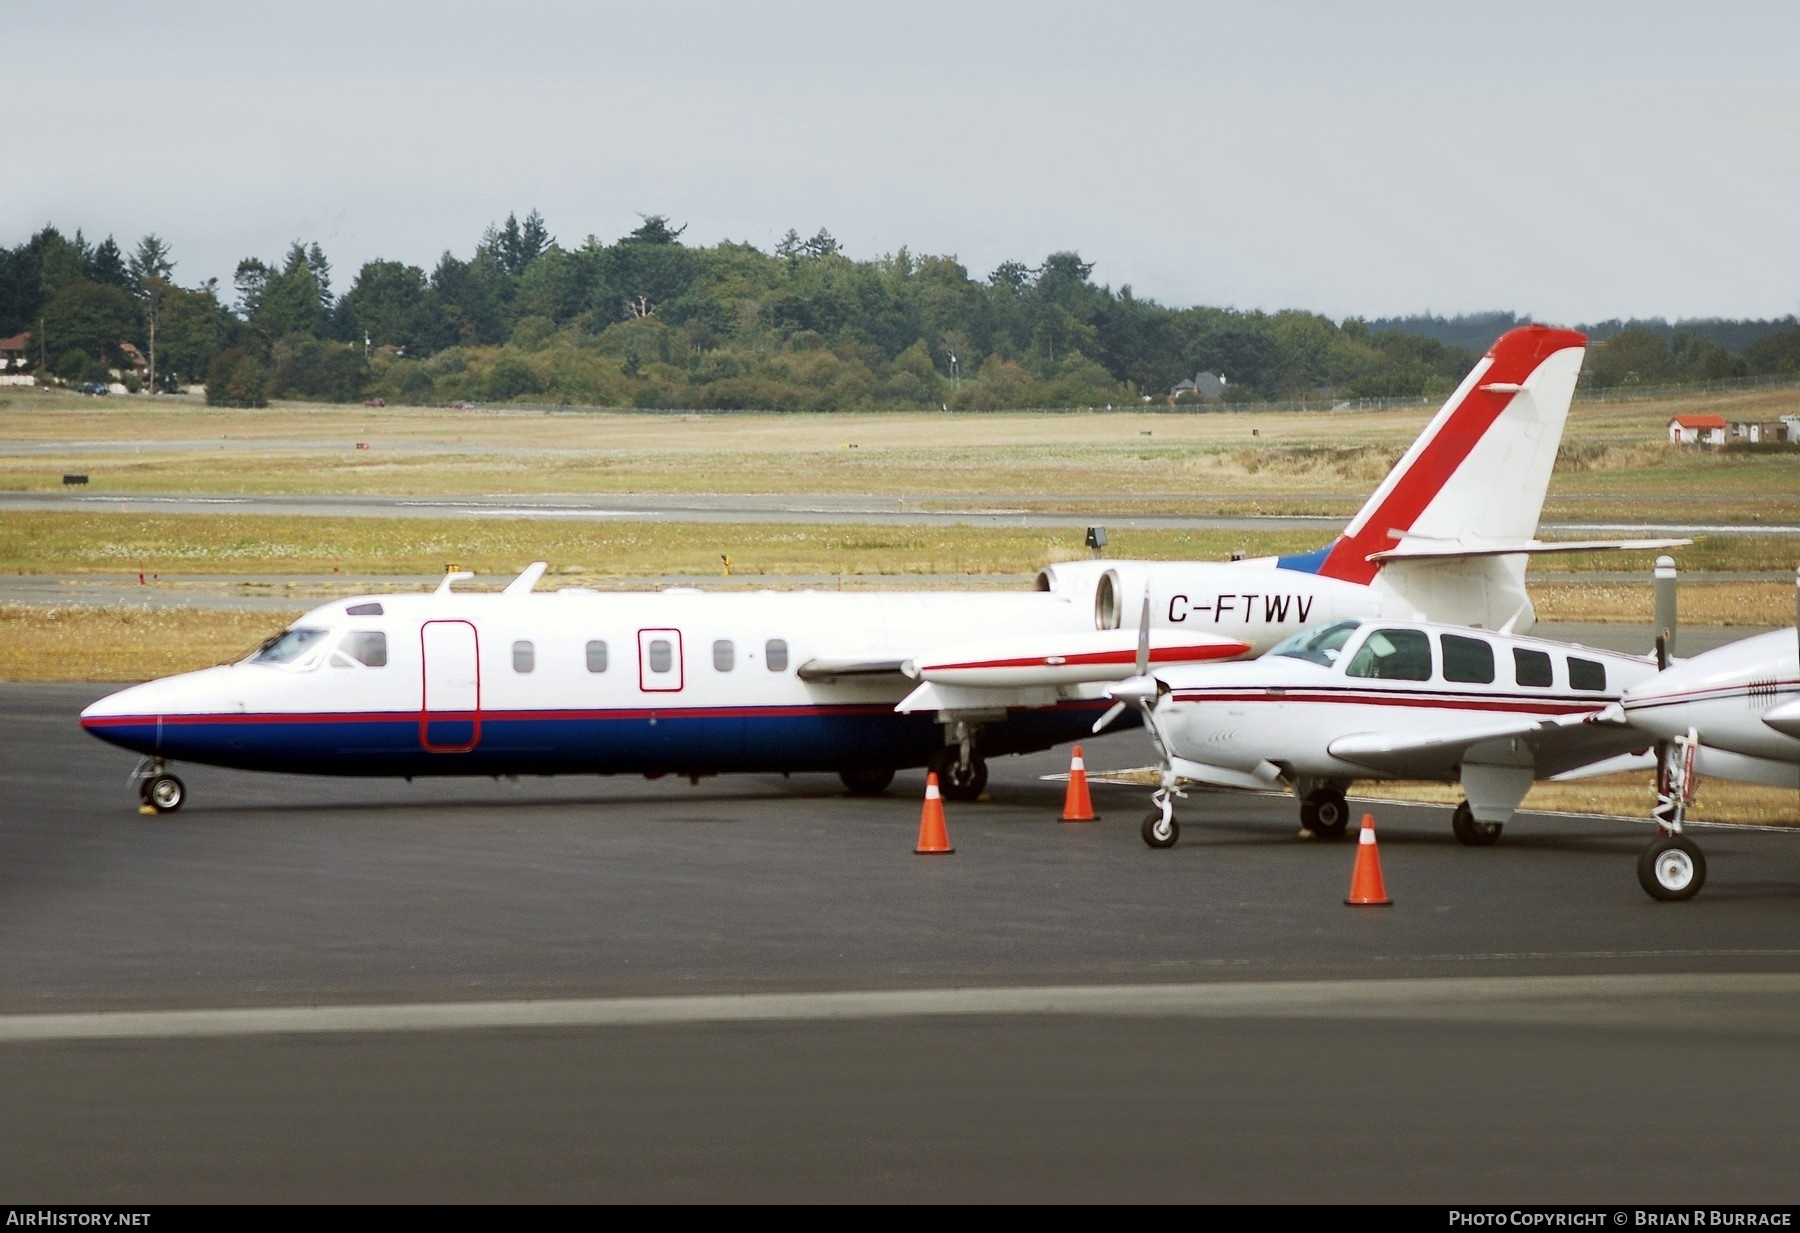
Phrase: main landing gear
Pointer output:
(962, 774)
(1325, 812)
(1469, 831)
(158, 791)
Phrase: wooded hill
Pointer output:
(648, 321)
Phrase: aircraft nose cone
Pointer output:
(131, 718)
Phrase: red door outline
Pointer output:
(426, 715)
(645, 676)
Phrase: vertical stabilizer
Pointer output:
(1477, 474)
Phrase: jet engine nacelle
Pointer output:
(1255, 602)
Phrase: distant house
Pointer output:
(15, 355)
(13, 351)
(1205, 387)
(1697, 429)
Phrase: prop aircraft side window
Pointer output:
(1531, 668)
(1468, 660)
(524, 656)
(596, 656)
(1393, 655)
(367, 647)
(724, 655)
(1586, 674)
(775, 654)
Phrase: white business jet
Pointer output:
(689, 683)
(1732, 712)
(1378, 699)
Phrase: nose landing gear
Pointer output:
(158, 791)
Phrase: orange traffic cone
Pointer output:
(934, 840)
(1077, 805)
(1365, 879)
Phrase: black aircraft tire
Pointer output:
(1672, 869)
(955, 781)
(1325, 813)
(1159, 833)
(1469, 831)
(165, 793)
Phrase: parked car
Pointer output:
(93, 387)
(374, 402)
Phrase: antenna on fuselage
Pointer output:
(455, 575)
(526, 580)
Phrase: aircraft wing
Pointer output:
(822, 669)
(1552, 745)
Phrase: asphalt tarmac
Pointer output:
(753, 989)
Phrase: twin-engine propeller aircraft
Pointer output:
(680, 682)
(1732, 712)
(1378, 699)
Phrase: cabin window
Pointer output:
(596, 656)
(662, 655)
(1393, 655)
(367, 647)
(1531, 668)
(1468, 660)
(775, 654)
(287, 646)
(1586, 674)
(524, 656)
(370, 609)
(724, 655)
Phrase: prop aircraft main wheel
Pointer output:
(164, 793)
(867, 780)
(1469, 831)
(1161, 831)
(1325, 813)
(956, 781)
(1672, 868)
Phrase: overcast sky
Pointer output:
(1574, 161)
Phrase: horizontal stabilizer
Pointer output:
(1068, 659)
(1415, 550)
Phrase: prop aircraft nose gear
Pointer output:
(1672, 867)
(158, 791)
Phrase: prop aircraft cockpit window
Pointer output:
(1531, 668)
(367, 647)
(1393, 655)
(775, 654)
(289, 646)
(1468, 660)
(1319, 646)
(1586, 674)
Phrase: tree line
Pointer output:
(649, 321)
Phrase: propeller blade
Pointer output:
(1797, 605)
(1112, 712)
(1143, 655)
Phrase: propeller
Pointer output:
(1139, 689)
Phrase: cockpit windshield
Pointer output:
(1318, 646)
(288, 646)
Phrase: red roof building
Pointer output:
(1697, 429)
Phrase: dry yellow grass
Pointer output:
(123, 642)
(1626, 796)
